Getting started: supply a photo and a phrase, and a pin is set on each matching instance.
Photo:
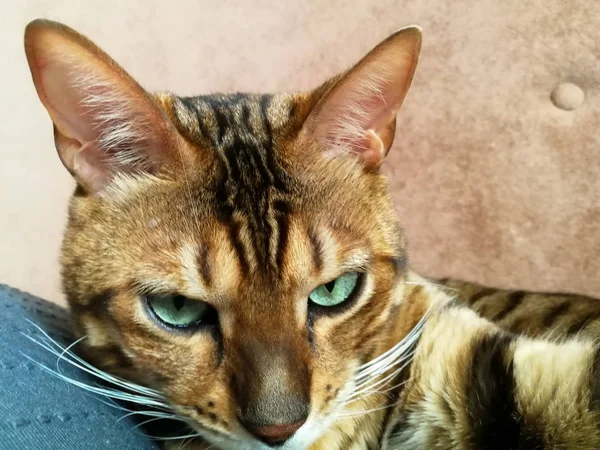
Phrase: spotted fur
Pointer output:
(248, 202)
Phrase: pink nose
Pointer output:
(277, 434)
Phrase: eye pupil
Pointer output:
(329, 286)
(178, 302)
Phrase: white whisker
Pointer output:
(83, 365)
(67, 350)
(106, 392)
(154, 419)
(382, 382)
(366, 411)
(375, 376)
(363, 412)
(156, 414)
(385, 392)
(396, 350)
(161, 413)
(99, 374)
(376, 381)
(173, 438)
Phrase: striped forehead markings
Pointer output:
(251, 179)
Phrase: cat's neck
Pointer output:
(418, 297)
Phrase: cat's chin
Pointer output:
(310, 433)
(228, 444)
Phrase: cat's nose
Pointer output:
(276, 434)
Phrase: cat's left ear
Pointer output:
(358, 113)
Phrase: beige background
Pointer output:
(493, 181)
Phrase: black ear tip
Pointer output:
(412, 29)
(35, 23)
(38, 24)
(31, 27)
(46, 23)
(412, 32)
(409, 37)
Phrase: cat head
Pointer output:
(239, 253)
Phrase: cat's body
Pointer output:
(533, 314)
(476, 386)
(239, 255)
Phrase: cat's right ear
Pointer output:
(357, 113)
(104, 122)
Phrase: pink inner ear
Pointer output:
(357, 115)
(66, 102)
(89, 105)
(104, 121)
(92, 165)
(94, 108)
(365, 101)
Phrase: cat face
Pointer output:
(238, 253)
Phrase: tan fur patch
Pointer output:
(552, 389)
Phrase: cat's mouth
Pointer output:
(277, 435)
(294, 436)
(296, 441)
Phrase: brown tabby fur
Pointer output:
(551, 316)
(242, 209)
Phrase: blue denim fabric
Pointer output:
(39, 411)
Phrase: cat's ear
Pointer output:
(104, 122)
(358, 113)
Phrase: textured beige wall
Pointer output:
(494, 182)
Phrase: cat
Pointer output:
(236, 261)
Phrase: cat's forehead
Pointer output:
(194, 240)
(263, 196)
(225, 120)
(248, 188)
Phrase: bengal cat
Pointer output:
(235, 261)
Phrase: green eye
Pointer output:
(336, 291)
(180, 312)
